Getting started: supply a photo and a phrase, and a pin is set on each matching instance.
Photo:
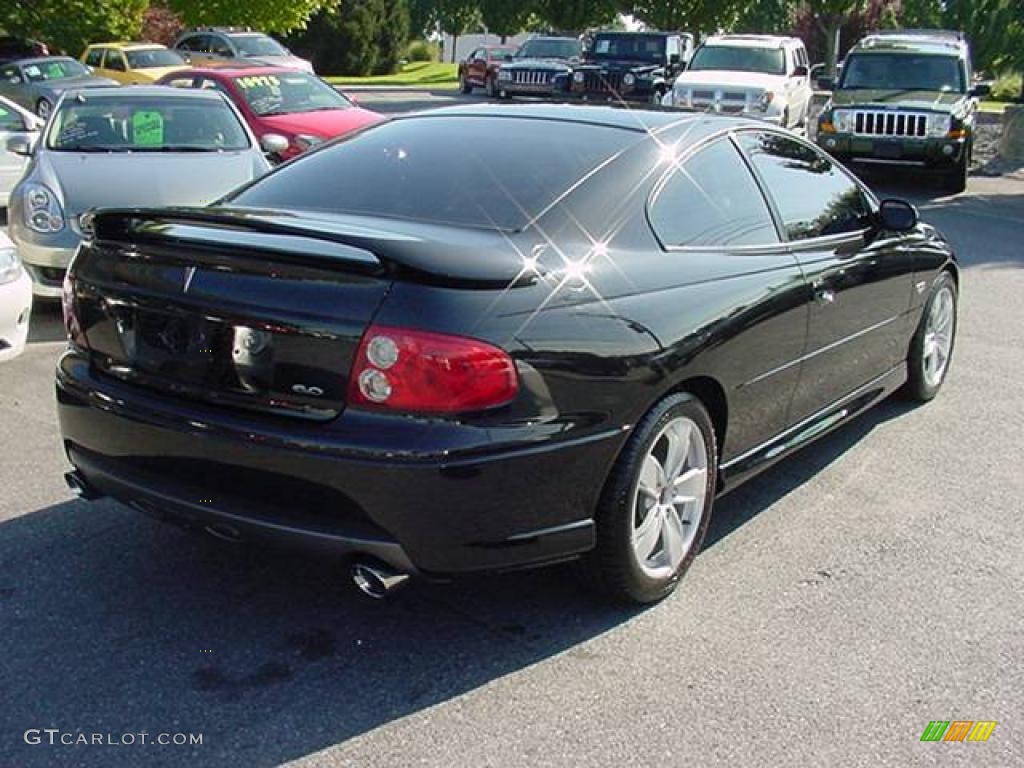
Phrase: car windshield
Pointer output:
(53, 69)
(436, 169)
(770, 61)
(902, 72)
(549, 49)
(634, 47)
(146, 124)
(153, 57)
(289, 92)
(258, 45)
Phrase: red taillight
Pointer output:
(397, 369)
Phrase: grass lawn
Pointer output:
(430, 74)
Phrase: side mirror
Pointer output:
(981, 89)
(800, 71)
(897, 215)
(353, 99)
(20, 145)
(274, 143)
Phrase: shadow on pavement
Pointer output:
(114, 623)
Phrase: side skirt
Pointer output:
(740, 469)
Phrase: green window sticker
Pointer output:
(147, 128)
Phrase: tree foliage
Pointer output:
(357, 37)
(576, 15)
(504, 17)
(265, 15)
(70, 25)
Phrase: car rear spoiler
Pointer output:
(433, 253)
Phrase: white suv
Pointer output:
(754, 75)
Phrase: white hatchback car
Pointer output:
(15, 301)
(757, 76)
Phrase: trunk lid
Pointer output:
(226, 314)
(255, 309)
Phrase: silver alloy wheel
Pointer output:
(938, 336)
(668, 502)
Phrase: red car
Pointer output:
(288, 102)
(480, 68)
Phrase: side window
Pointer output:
(712, 200)
(114, 60)
(219, 46)
(201, 43)
(187, 44)
(10, 74)
(815, 197)
(94, 57)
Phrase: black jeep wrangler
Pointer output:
(904, 97)
(631, 66)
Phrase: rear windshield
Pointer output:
(488, 172)
(258, 45)
(903, 72)
(634, 47)
(770, 61)
(137, 124)
(154, 57)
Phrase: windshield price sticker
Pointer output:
(148, 128)
(254, 81)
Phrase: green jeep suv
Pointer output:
(904, 97)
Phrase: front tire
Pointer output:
(931, 348)
(955, 181)
(656, 506)
(464, 85)
(492, 90)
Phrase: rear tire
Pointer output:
(657, 501)
(492, 90)
(931, 348)
(464, 85)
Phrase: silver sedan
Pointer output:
(123, 147)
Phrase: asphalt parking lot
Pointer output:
(865, 587)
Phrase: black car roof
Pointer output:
(626, 118)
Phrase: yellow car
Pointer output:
(132, 62)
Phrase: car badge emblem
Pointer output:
(302, 389)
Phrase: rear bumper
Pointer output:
(337, 487)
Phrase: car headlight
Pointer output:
(10, 265)
(305, 141)
(939, 125)
(629, 79)
(43, 213)
(842, 120)
(577, 77)
(764, 101)
(682, 96)
(504, 74)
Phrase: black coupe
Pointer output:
(408, 349)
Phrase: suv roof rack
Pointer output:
(939, 34)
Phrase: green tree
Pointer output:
(265, 15)
(358, 37)
(765, 16)
(504, 17)
(70, 25)
(456, 17)
(696, 16)
(576, 15)
(829, 16)
(994, 28)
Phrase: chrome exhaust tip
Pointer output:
(80, 487)
(377, 580)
